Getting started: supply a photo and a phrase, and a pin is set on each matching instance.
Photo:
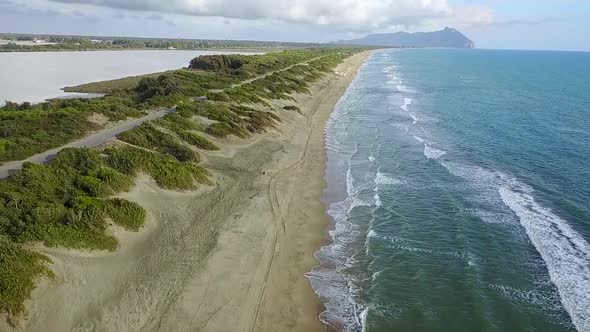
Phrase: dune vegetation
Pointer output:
(72, 200)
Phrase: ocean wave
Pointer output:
(542, 299)
(389, 69)
(404, 89)
(564, 251)
(329, 280)
(382, 179)
(378, 202)
(430, 151)
(433, 153)
(407, 102)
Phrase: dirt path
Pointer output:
(254, 79)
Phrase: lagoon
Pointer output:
(37, 76)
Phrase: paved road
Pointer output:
(106, 135)
(91, 141)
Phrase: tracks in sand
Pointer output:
(278, 218)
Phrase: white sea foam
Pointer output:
(419, 139)
(371, 158)
(565, 252)
(402, 88)
(432, 152)
(377, 200)
(382, 179)
(350, 187)
(389, 69)
(363, 319)
(407, 102)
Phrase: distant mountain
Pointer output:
(448, 37)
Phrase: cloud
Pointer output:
(532, 21)
(348, 15)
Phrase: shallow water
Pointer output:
(459, 183)
(35, 77)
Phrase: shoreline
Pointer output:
(232, 257)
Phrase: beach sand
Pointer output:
(230, 257)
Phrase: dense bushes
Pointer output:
(18, 266)
(166, 171)
(147, 136)
(218, 62)
(291, 108)
(163, 85)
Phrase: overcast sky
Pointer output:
(522, 24)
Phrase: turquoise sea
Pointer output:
(459, 188)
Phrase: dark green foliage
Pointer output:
(48, 125)
(41, 201)
(222, 129)
(198, 141)
(166, 171)
(218, 62)
(291, 108)
(69, 43)
(18, 269)
(25, 133)
(178, 121)
(147, 136)
(163, 85)
(124, 213)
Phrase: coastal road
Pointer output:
(109, 134)
(90, 141)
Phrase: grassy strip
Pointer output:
(197, 140)
(147, 136)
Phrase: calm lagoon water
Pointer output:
(35, 77)
(459, 183)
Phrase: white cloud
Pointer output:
(344, 15)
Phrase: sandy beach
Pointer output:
(230, 257)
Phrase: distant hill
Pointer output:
(448, 37)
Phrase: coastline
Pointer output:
(230, 257)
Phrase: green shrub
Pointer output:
(124, 213)
(198, 141)
(291, 108)
(19, 268)
(147, 136)
(166, 171)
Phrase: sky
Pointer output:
(506, 24)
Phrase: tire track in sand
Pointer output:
(271, 190)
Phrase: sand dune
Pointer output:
(231, 257)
